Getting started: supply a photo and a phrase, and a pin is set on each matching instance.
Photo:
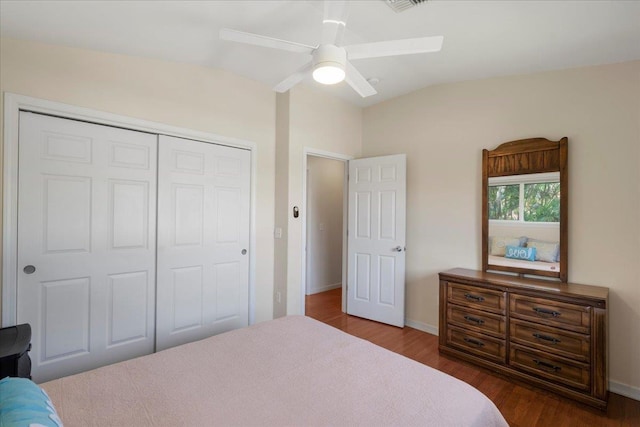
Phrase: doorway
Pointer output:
(374, 209)
(324, 225)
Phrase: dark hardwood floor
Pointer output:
(521, 405)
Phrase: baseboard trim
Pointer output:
(625, 390)
(325, 288)
(421, 326)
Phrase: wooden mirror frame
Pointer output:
(521, 157)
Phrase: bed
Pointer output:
(289, 371)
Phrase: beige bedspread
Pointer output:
(292, 371)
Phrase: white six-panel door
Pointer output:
(86, 243)
(203, 240)
(376, 240)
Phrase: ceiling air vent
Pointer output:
(400, 5)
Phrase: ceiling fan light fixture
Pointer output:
(328, 74)
(329, 64)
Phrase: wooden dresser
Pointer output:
(548, 334)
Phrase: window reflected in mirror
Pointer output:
(524, 221)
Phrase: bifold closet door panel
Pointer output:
(203, 240)
(86, 243)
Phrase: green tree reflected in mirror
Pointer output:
(504, 202)
(528, 202)
(542, 202)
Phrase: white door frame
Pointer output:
(345, 199)
(13, 104)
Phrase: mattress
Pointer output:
(289, 371)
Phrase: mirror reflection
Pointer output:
(524, 221)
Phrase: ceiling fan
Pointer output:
(329, 61)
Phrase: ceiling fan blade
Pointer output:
(264, 41)
(335, 19)
(294, 78)
(358, 82)
(395, 47)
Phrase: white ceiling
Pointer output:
(481, 38)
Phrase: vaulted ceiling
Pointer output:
(481, 38)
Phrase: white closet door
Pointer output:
(86, 243)
(203, 240)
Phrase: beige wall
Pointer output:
(281, 251)
(325, 191)
(187, 96)
(321, 122)
(443, 129)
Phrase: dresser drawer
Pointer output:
(479, 298)
(555, 334)
(476, 320)
(482, 345)
(569, 316)
(554, 368)
(558, 341)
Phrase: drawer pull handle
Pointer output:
(472, 297)
(546, 365)
(474, 342)
(547, 312)
(474, 320)
(546, 338)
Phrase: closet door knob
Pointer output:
(244, 252)
(29, 269)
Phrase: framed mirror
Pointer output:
(524, 208)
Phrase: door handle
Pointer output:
(29, 269)
(397, 249)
